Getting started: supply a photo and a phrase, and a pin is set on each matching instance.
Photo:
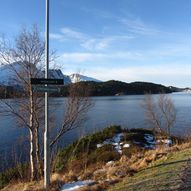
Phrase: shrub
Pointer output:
(103, 154)
(108, 156)
(133, 149)
(86, 145)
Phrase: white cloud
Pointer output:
(55, 36)
(91, 43)
(80, 57)
(167, 74)
(96, 44)
(128, 22)
(73, 34)
(68, 34)
(137, 26)
(77, 57)
(104, 42)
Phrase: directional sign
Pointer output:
(45, 89)
(44, 81)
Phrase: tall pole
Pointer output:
(46, 132)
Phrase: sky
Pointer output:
(126, 40)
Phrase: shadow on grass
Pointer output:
(165, 164)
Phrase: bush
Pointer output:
(133, 149)
(87, 144)
(103, 154)
(108, 156)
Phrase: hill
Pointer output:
(116, 88)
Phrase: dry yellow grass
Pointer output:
(114, 172)
(25, 186)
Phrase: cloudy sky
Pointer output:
(127, 40)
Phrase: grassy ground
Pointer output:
(165, 174)
(139, 169)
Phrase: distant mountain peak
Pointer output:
(78, 77)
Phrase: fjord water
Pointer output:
(112, 110)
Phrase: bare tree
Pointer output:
(24, 60)
(160, 113)
(151, 113)
(168, 112)
(77, 106)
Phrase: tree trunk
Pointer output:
(33, 162)
(32, 157)
(39, 166)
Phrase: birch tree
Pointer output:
(160, 113)
(24, 60)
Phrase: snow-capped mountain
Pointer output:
(7, 76)
(78, 78)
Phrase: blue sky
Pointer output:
(127, 40)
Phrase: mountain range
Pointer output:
(96, 87)
(7, 76)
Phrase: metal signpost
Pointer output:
(42, 85)
(46, 132)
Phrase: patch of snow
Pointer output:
(126, 145)
(109, 163)
(168, 141)
(117, 138)
(99, 145)
(115, 141)
(107, 142)
(118, 148)
(76, 185)
(165, 141)
(150, 139)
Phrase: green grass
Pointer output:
(86, 149)
(162, 175)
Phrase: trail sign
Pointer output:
(45, 89)
(44, 81)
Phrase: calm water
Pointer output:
(119, 110)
